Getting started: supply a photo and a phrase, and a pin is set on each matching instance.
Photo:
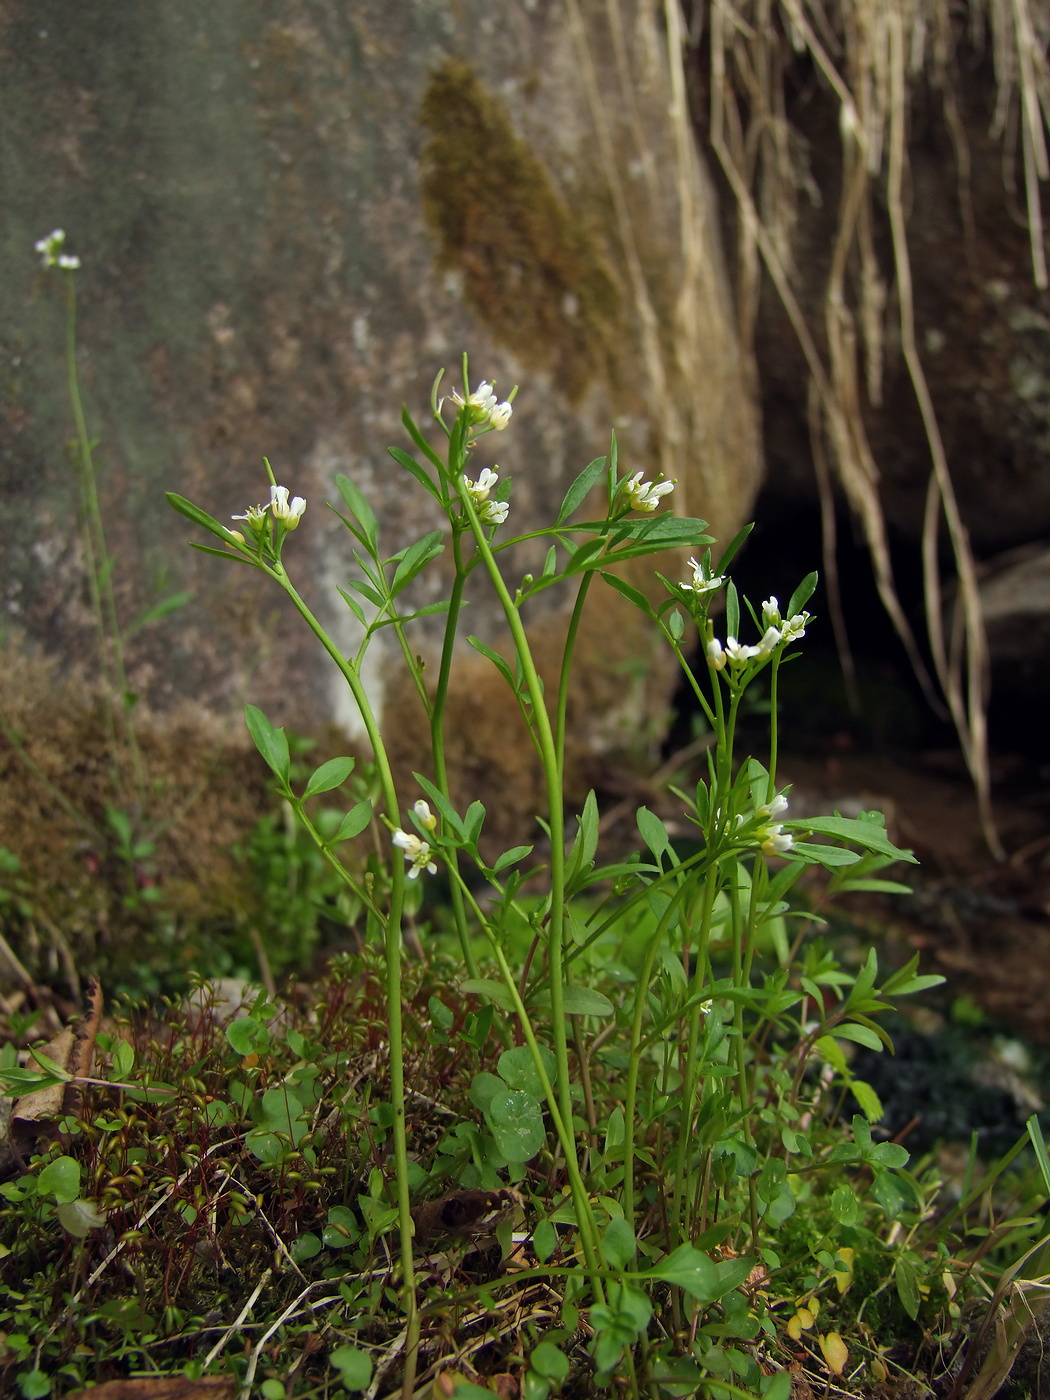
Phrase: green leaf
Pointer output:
(863, 831)
(354, 1367)
(844, 1205)
(123, 1060)
(907, 1282)
(34, 1385)
(653, 831)
(78, 1218)
(633, 595)
(732, 548)
(197, 516)
(248, 1035)
(359, 507)
(732, 610)
(482, 1088)
(870, 1103)
(544, 1240)
(586, 843)
(271, 743)
(860, 1034)
(586, 556)
(511, 857)
(164, 607)
(699, 1276)
(802, 594)
(342, 1229)
(495, 991)
(354, 822)
(516, 1121)
(547, 1361)
(415, 469)
(497, 661)
(873, 887)
(889, 1191)
(828, 856)
(415, 559)
(330, 775)
(585, 1001)
(888, 1154)
(61, 1179)
(518, 1070)
(618, 1245)
(580, 488)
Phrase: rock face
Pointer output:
(290, 216)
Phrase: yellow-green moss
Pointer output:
(532, 271)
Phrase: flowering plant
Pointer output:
(699, 1010)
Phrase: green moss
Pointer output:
(533, 272)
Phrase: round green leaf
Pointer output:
(517, 1124)
(354, 1367)
(34, 1384)
(61, 1179)
(517, 1068)
(304, 1247)
(549, 1362)
(79, 1218)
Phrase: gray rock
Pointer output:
(289, 217)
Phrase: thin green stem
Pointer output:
(393, 950)
(99, 561)
(566, 671)
(437, 737)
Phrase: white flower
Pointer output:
(777, 842)
(645, 495)
(774, 808)
(737, 653)
(48, 248)
(795, 627)
(424, 815)
(771, 612)
(499, 415)
(716, 657)
(481, 403)
(288, 511)
(479, 490)
(493, 512)
(703, 582)
(770, 638)
(256, 518)
(417, 853)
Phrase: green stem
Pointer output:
(393, 970)
(437, 740)
(99, 561)
(566, 671)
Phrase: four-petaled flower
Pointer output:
(771, 612)
(795, 627)
(777, 841)
(773, 809)
(768, 641)
(738, 653)
(417, 852)
(703, 582)
(479, 490)
(50, 254)
(645, 495)
(289, 512)
(716, 657)
(493, 512)
(424, 815)
(255, 517)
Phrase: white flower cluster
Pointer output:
(50, 252)
(645, 495)
(489, 512)
(776, 632)
(484, 409)
(417, 851)
(287, 511)
(772, 838)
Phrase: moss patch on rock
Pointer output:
(532, 270)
